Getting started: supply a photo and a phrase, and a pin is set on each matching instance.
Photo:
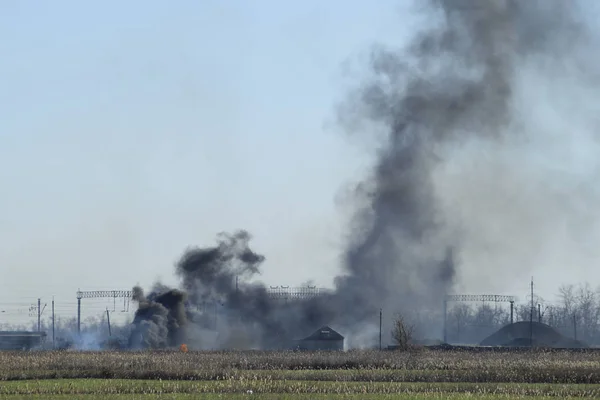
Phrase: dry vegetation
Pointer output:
(380, 374)
(419, 365)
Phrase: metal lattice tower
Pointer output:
(107, 294)
(286, 293)
(495, 298)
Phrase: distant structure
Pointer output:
(285, 293)
(113, 294)
(496, 298)
(519, 335)
(322, 339)
(20, 340)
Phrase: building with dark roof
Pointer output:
(20, 340)
(324, 338)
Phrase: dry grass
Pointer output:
(358, 366)
(419, 373)
(258, 387)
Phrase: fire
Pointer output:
(183, 348)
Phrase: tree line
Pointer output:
(575, 313)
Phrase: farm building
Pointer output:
(20, 340)
(324, 338)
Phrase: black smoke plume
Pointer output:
(160, 319)
(220, 300)
(452, 84)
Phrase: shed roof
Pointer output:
(21, 333)
(324, 333)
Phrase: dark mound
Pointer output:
(523, 342)
(518, 335)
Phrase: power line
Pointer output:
(114, 294)
(496, 298)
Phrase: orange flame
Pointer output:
(183, 348)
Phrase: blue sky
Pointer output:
(130, 130)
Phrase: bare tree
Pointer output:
(567, 299)
(587, 311)
(462, 315)
(523, 312)
(487, 315)
(402, 332)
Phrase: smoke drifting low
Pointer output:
(221, 301)
(458, 85)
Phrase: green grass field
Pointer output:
(419, 374)
(284, 389)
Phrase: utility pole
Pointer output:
(512, 311)
(531, 316)
(445, 320)
(108, 320)
(532, 306)
(216, 315)
(78, 315)
(574, 326)
(380, 319)
(39, 315)
(53, 345)
(216, 330)
(539, 313)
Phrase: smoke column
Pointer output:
(454, 86)
(452, 83)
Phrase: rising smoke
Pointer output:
(220, 300)
(456, 84)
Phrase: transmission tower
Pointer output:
(97, 294)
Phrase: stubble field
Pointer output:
(420, 373)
